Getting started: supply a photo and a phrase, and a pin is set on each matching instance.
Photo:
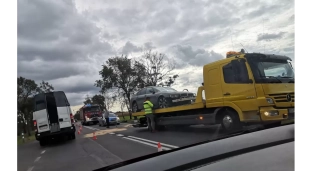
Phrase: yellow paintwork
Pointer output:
(249, 100)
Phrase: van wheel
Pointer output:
(43, 142)
(230, 121)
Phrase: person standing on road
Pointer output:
(148, 108)
(106, 115)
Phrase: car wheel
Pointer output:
(162, 102)
(135, 107)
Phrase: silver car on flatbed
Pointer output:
(161, 97)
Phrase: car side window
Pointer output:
(142, 92)
(148, 90)
(235, 72)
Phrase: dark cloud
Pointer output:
(149, 45)
(197, 57)
(269, 37)
(53, 30)
(130, 47)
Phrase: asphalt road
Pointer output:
(111, 146)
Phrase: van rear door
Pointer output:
(40, 113)
(63, 109)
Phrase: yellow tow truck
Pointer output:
(242, 89)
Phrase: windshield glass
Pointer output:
(92, 109)
(167, 89)
(137, 73)
(272, 71)
(112, 115)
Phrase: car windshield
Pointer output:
(166, 89)
(145, 77)
(112, 115)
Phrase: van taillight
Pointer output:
(35, 123)
(72, 118)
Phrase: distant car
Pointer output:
(161, 97)
(113, 120)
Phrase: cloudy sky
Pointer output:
(65, 42)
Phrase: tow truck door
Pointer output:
(237, 85)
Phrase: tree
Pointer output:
(158, 69)
(45, 87)
(87, 100)
(98, 99)
(26, 89)
(109, 100)
(122, 74)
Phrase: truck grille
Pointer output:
(183, 95)
(283, 97)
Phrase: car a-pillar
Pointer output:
(229, 119)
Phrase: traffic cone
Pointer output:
(94, 136)
(159, 147)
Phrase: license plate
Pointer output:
(135, 121)
(43, 127)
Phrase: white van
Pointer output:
(52, 116)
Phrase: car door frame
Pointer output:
(152, 96)
(240, 93)
(140, 98)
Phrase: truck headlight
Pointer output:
(271, 113)
(270, 100)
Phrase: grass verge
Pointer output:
(26, 138)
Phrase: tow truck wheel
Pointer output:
(230, 121)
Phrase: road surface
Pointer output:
(111, 146)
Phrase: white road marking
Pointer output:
(112, 133)
(30, 169)
(120, 160)
(42, 151)
(142, 142)
(120, 135)
(37, 159)
(96, 129)
(162, 144)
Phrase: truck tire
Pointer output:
(230, 121)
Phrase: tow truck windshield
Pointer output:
(272, 71)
